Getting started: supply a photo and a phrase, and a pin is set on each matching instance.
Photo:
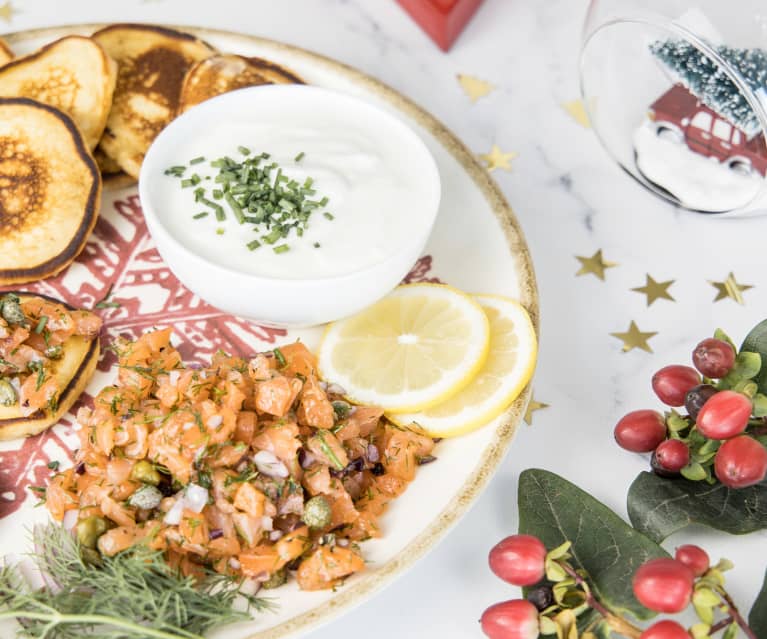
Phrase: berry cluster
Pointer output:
(723, 433)
(557, 594)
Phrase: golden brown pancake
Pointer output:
(152, 62)
(72, 74)
(50, 190)
(222, 73)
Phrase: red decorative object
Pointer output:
(680, 117)
(443, 20)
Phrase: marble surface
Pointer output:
(571, 200)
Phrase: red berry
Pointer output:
(672, 383)
(672, 455)
(663, 585)
(515, 619)
(741, 462)
(713, 357)
(640, 431)
(724, 415)
(694, 557)
(666, 629)
(519, 559)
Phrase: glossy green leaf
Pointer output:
(756, 342)
(556, 511)
(659, 507)
(757, 619)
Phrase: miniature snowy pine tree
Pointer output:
(710, 84)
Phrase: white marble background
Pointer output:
(570, 201)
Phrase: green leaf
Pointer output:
(604, 545)
(659, 507)
(747, 366)
(756, 342)
(757, 618)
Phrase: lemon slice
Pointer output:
(509, 366)
(411, 350)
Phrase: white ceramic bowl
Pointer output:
(275, 300)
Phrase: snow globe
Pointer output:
(676, 91)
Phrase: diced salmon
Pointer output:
(298, 361)
(317, 479)
(326, 566)
(249, 500)
(276, 396)
(292, 545)
(328, 449)
(365, 419)
(246, 426)
(314, 408)
(261, 561)
(117, 540)
(280, 438)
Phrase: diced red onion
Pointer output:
(373, 455)
(267, 523)
(214, 421)
(173, 377)
(195, 497)
(234, 563)
(342, 542)
(306, 458)
(335, 389)
(275, 535)
(216, 533)
(268, 464)
(173, 516)
(70, 519)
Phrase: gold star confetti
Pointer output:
(577, 111)
(7, 11)
(634, 338)
(655, 290)
(497, 159)
(595, 265)
(730, 288)
(474, 87)
(533, 406)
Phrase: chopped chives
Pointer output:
(236, 209)
(175, 171)
(329, 216)
(316, 245)
(41, 324)
(258, 192)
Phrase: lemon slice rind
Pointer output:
(458, 415)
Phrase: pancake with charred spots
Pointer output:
(50, 190)
(152, 62)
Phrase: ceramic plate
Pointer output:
(476, 245)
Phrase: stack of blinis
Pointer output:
(83, 108)
(72, 113)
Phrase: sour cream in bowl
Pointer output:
(287, 204)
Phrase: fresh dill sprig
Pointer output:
(134, 594)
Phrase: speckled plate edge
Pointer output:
(366, 585)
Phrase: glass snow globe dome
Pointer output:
(676, 91)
